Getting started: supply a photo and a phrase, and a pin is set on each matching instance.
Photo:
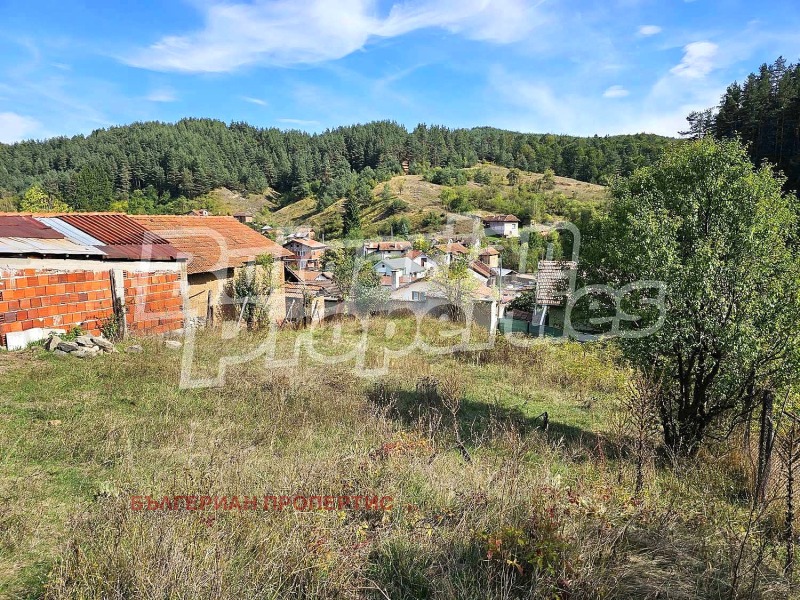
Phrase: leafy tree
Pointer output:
(513, 177)
(457, 285)
(251, 290)
(37, 200)
(525, 302)
(357, 280)
(721, 235)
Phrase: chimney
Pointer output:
(396, 278)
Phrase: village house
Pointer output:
(93, 271)
(244, 217)
(451, 251)
(389, 249)
(216, 248)
(501, 225)
(422, 259)
(489, 256)
(406, 266)
(422, 297)
(307, 253)
(552, 291)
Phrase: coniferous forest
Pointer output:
(764, 112)
(149, 165)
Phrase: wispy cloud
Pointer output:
(615, 91)
(647, 30)
(162, 95)
(299, 122)
(14, 127)
(698, 60)
(287, 32)
(252, 100)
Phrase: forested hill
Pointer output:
(764, 112)
(148, 165)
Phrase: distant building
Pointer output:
(552, 282)
(85, 270)
(389, 249)
(243, 217)
(502, 225)
(451, 251)
(217, 248)
(425, 298)
(405, 265)
(490, 256)
(307, 252)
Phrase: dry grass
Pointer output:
(531, 514)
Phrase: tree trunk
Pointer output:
(766, 439)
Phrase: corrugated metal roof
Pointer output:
(143, 252)
(13, 226)
(69, 232)
(113, 229)
(46, 247)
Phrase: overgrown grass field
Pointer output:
(487, 503)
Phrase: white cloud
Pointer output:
(615, 91)
(252, 100)
(698, 60)
(285, 32)
(162, 95)
(647, 30)
(15, 127)
(299, 122)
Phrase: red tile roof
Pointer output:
(211, 243)
(488, 251)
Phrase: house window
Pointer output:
(418, 296)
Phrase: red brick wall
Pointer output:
(154, 302)
(34, 298)
(44, 298)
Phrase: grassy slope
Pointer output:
(77, 438)
(421, 197)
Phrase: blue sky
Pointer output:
(542, 66)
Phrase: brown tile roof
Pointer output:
(314, 244)
(480, 268)
(551, 282)
(453, 248)
(500, 219)
(489, 251)
(308, 276)
(211, 243)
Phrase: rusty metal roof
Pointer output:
(12, 226)
(113, 229)
(121, 237)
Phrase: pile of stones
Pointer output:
(83, 346)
